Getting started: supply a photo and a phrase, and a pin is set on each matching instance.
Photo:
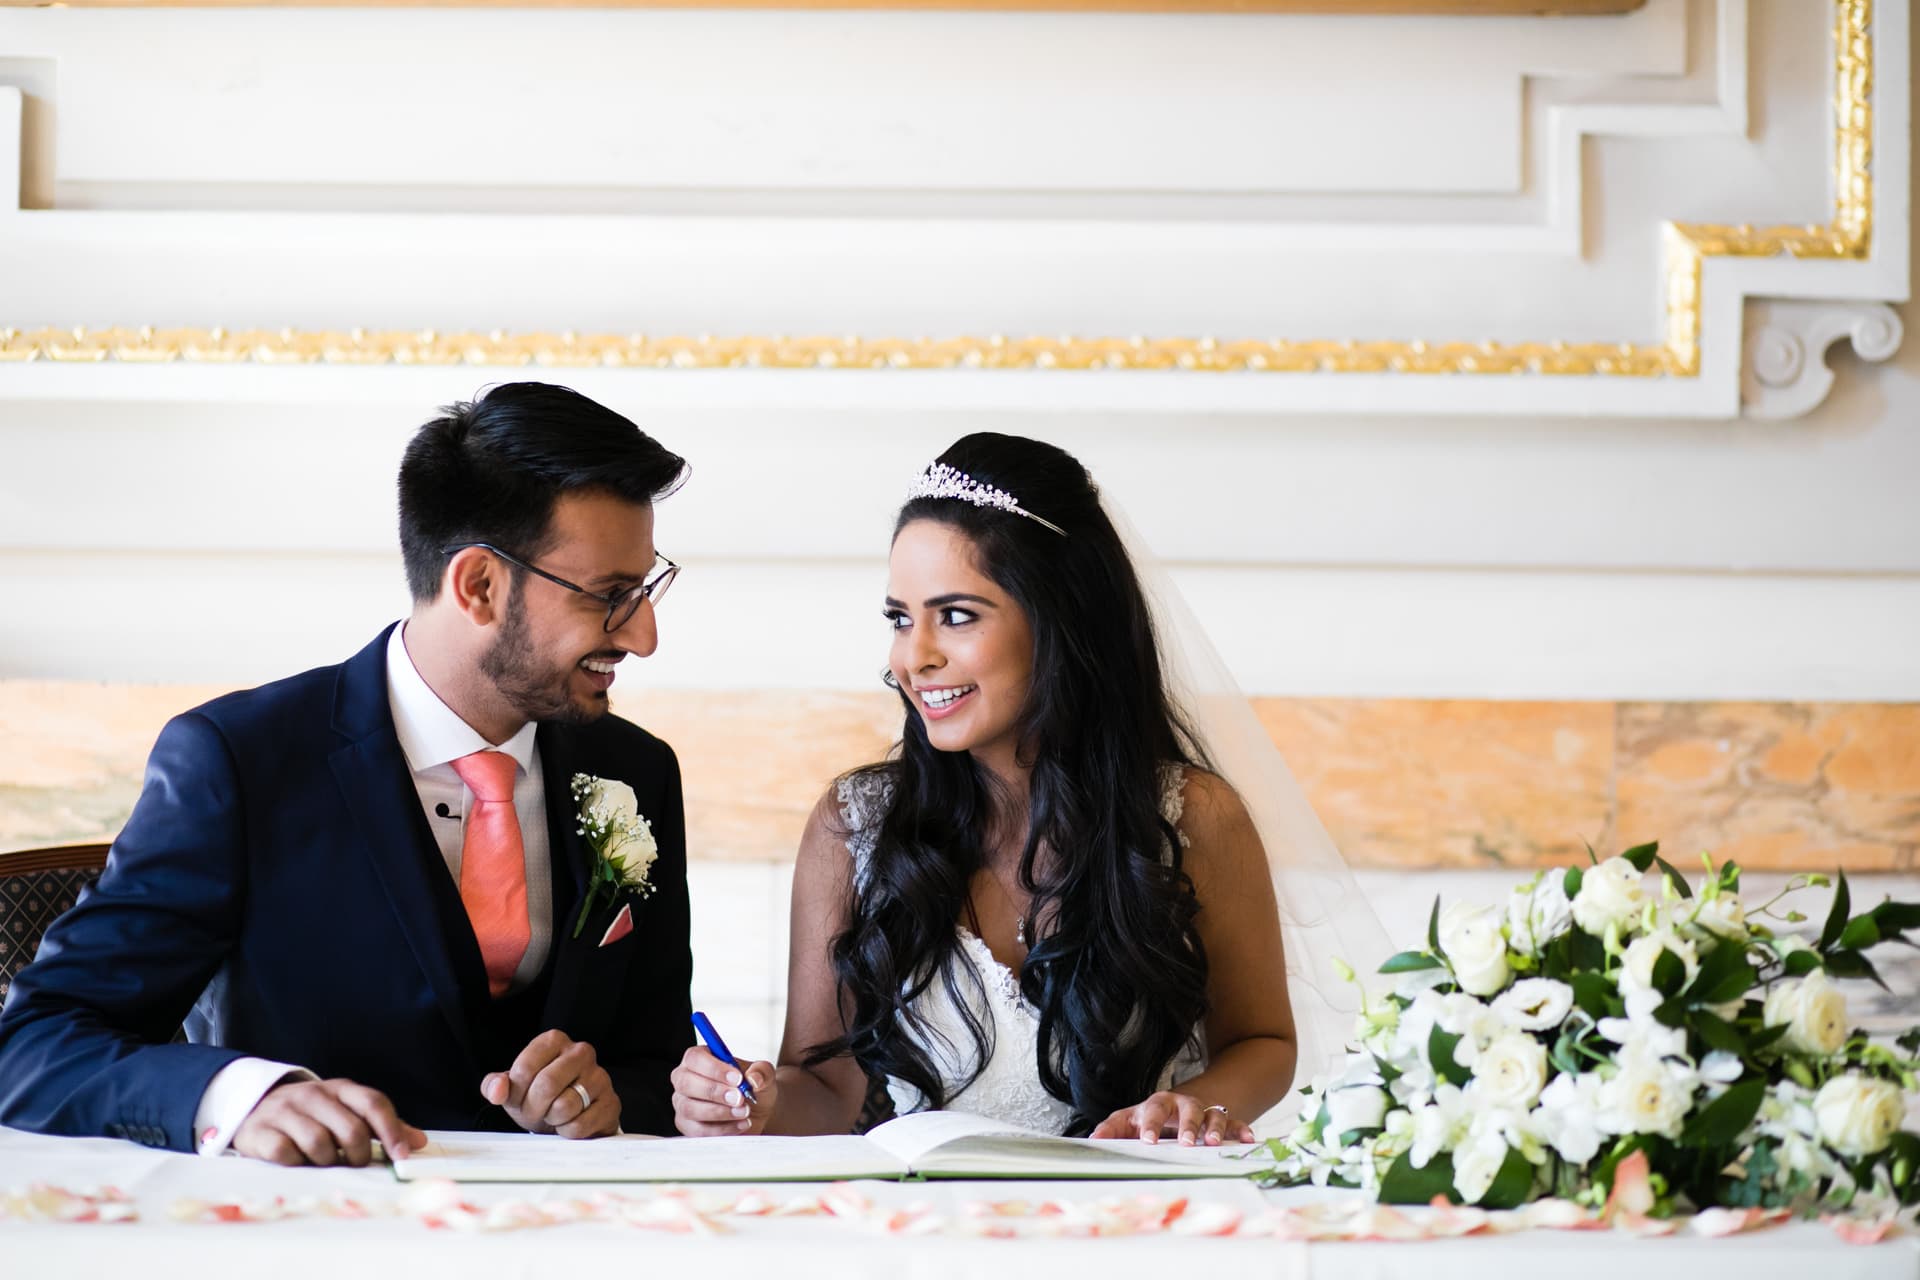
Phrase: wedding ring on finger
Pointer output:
(1217, 1107)
(586, 1099)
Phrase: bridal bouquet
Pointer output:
(1597, 1020)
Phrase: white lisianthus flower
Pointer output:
(1641, 1032)
(1539, 912)
(609, 802)
(1636, 973)
(1721, 1067)
(1476, 1164)
(1649, 1094)
(1440, 1125)
(1535, 1004)
(1610, 894)
(1360, 1106)
(1568, 1117)
(1510, 1072)
(1858, 1115)
(1723, 916)
(1813, 1010)
(1475, 949)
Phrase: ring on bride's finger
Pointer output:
(1217, 1107)
(586, 1099)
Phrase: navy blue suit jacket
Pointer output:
(278, 889)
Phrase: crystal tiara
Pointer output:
(941, 481)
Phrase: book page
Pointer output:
(529, 1157)
(955, 1142)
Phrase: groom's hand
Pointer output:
(707, 1101)
(556, 1085)
(324, 1122)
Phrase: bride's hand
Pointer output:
(707, 1101)
(1172, 1113)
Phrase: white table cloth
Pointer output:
(776, 1248)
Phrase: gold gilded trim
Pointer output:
(1689, 245)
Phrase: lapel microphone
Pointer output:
(442, 811)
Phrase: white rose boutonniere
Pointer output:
(621, 840)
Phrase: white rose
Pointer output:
(1648, 1095)
(1858, 1116)
(633, 851)
(608, 801)
(1610, 894)
(1511, 1071)
(1813, 1010)
(1538, 913)
(1535, 1004)
(1361, 1106)
(1645, 952)
(1475, 948)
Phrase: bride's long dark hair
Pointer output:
(1117, 970)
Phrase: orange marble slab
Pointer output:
(1454, 783)
(1399, 782)
(1773, 785)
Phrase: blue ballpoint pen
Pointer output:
(718, 1048)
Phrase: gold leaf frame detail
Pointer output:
(1688, 246)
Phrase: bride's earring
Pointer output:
(886, 678)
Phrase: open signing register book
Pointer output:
(927, 1144)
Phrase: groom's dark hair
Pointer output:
(491, 469)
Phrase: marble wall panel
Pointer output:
(1400, 783)
(1776, 785)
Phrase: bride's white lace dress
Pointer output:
(1008, 1088)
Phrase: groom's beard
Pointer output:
(515, 671)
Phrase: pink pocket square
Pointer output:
(622, 926)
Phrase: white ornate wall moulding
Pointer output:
(1733, 299)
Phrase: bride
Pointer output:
(1047, 905)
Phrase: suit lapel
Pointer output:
(377, 787)
(573, 1001)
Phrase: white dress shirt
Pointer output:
(432, 736)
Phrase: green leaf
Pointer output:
(1433, 928)
(1440, 1055)
(1410, 962)
(1404, 1184)
(1837, 917)
(1570, 883)
(1725, 974)
(1896, 917)
(1512, 1185)
(1717, 1033)
(1669, 972)
(1764, 1036)
(1721, 1121)
(1679, 881)
(1851, 964)
(1801, 963)
(1642, 855)
(1861, 931)
(1594, 994)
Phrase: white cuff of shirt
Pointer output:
(231, 1096)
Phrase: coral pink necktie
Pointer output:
(493, 865)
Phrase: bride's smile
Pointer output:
(962, 647)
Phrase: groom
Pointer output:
(362, 887)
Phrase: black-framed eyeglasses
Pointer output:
(621, 606)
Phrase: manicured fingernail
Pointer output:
(733, 1077)
(1150, 1137)
(745, 1125)
(733, 1097)
(1186, 1138)
(739, 1111)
